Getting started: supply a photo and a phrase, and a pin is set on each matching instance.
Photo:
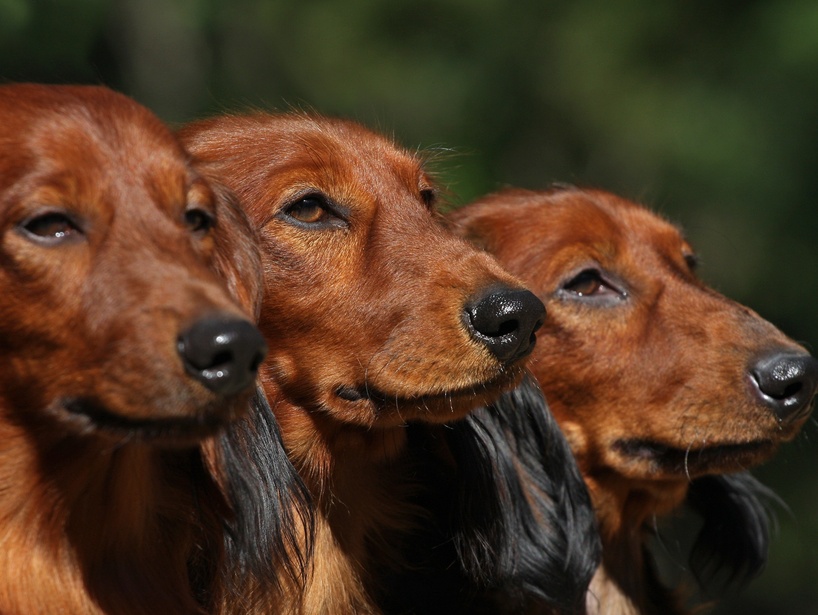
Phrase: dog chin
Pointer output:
(85, 417)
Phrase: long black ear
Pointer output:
(272, 517)
(524, 521)
(732, 545)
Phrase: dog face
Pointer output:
(386, 316)
(652, 375)
(111, 312)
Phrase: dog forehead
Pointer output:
(268, 157)
(552, 234)
(107, 164)
(611, 226)
(365, 177)
(555, 230)
(347, 151)
(647, 226)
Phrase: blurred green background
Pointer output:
(707, 111)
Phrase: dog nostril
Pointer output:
(505, 321)
(786, 382)
(791, 390)
(223, 358)
(223, 353)
(509, 326)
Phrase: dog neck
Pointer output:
(354, 477)
(86, 527)
(626, 583)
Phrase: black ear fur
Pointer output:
(737, 513)
(271, 505)
(523, 516)
(509, 523)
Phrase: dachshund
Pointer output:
(128, 283)
(666, 390)
(383, 321)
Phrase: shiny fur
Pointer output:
(645, 369)
(510, 527)
(107, 505)
(364, 294)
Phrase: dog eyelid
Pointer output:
(591, 283)
(429, 197)
(51, 228)
(198, 220)
(691, 260)
(313, 211)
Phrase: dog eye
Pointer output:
(309, 211)
(51, 228)
(589, 283)
(313, 211)
(429, 197)
(198, 221)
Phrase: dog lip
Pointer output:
(367, 392)
(351, 393)
(677, 460)
(90, 416)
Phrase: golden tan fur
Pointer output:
(105, 506)
(366, 302)
(643, 365)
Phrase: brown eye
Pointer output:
(198, 221)
(51, 228)
(314, 211)
(591, 285)
(691, 260)
(308, 210)
(429, 197)
(586, 283)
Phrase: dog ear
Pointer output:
(237, 260)
(732, 545)
(523, 520)
(272, 509)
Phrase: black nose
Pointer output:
(223, 353)
(786, 381)
(505, 322)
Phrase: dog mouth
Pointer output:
(383, 400)
(88, 416)
(719, 458)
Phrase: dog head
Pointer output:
(654, 377)
(387, 316)
(114, 319)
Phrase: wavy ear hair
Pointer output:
(522, 519)
(272, 509)
(732, 545)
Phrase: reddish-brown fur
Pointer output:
(105, 506)
(665, 366)
(369, 325)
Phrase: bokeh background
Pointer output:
(706, 111)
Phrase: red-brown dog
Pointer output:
(655, 378)
(123, 351)
(380, 317)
